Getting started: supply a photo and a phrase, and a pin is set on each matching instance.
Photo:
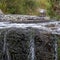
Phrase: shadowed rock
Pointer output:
(26, 44)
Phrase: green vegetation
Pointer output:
(31, 6)
(18, 6)
(54, 9)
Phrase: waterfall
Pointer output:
(8, 55)
(55, 47)
(5, 47)
(32, 51)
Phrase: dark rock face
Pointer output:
(18, 45)
(14, 45)
(44, 49)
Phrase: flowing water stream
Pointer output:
(42, 26)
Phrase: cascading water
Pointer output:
(32, 49)
(20, 49)
(5, 47)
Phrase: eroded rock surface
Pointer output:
(15, 44)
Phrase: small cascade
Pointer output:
(55, 48)
(8, 56)
(5, 47)
(31, 50)
(26, 47)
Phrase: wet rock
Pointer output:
(26, 44)
(45, 50)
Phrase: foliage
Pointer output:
(30, 7)
(53, 9)
(18, 6)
